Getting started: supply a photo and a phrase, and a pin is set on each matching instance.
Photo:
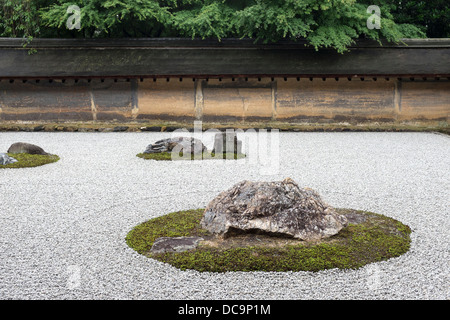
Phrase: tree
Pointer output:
(19, 18)
(323, 23)
(432, 16)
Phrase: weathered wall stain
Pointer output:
(234, 99)
(242, 99)
(421, 100)
(165, 99)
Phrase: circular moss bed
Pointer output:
(368, 238)
(167, 156)
(26, 160)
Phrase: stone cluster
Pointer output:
(223, 143)
(20, 147)
(180, 144)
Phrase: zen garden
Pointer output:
(224, 150)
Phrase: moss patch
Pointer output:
(25, 160)
(293, 125)
(371, 237)
(167, 156)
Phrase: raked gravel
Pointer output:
(63, 225)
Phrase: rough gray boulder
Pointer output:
(182, 144)
(175, 244)
(227, 142)
(5, 159)
(278, 208)
(22, 147)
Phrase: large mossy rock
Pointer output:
(174, 238)
(22, 147)
(278, 208)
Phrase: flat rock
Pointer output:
(5, 159)
(355, 217)
(180, 144)
(278, 208)
(22, 147)
(175, 244)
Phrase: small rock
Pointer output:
(175, 244)
(39, 128)
(354, 217)
(171, 129)
(5, 159)
(152, 129)
(120, 128)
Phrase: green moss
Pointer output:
(167, 156)
(366, 126)
(377, 238)
(25, 160)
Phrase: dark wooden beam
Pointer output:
(142, 58)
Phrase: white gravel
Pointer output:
(63, 225)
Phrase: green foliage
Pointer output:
(432, 17)
(323, 23)
(378, 238)
(19, 18)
